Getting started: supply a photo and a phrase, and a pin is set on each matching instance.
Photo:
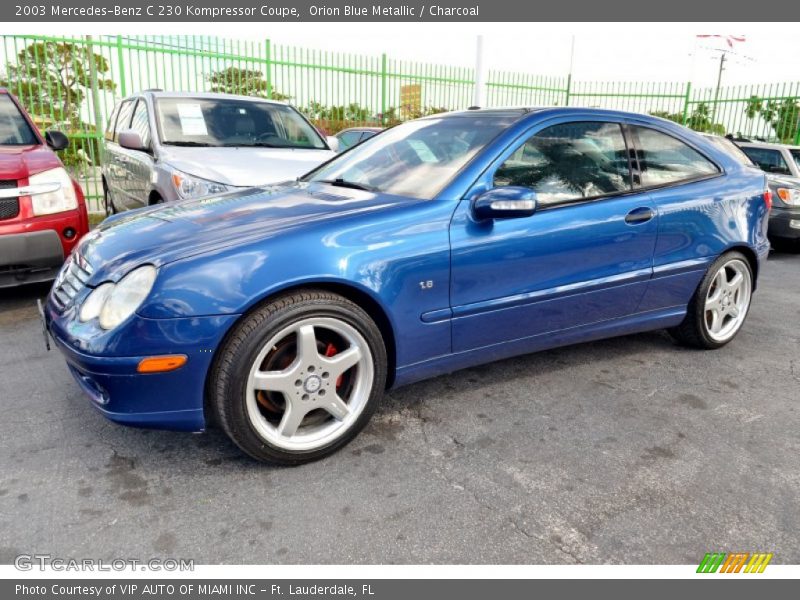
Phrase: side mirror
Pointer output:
(56, 140)
(130, 139)
(505, 203)
(333, 142)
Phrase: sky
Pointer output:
(603, 51)
(660, 52)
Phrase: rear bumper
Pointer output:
(784, 223)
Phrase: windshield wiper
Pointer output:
(259, 145)
(339, 182)
(190, 144)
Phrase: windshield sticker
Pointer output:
(423, 152)
(192, 120)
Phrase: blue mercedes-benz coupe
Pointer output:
(283, 313)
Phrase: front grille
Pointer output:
(9, 207)
(71, 280)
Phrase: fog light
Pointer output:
(69, 233)
(794, 224)
(161, 364)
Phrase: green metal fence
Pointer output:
(72, 83)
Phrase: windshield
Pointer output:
(728, 146)
(232, 122)
(796, 156)
(414, 159)
(14, 129)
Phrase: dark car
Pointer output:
(781, 165)
(42, 209)
(283, 313)
(355, 135)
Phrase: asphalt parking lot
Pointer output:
(631, 450)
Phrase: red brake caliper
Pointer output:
(332, 351)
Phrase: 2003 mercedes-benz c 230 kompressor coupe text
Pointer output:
(283, 313)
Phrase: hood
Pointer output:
(244, 167)
(20, 162)
(169, 232)
(783, 180)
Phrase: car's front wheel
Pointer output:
(719, 307)
(108, 202)
(299, 377)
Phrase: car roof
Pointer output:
(365, 128)
(524, 111)
(203, 95)
(767, 145)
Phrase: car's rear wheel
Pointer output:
(719, 307)
(299, 377)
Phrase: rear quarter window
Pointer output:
(112, 119)
(123, 118)
(665, 160)
(768, 160)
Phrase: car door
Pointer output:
(117, 157)
(693, 210)
(583, 257)
(139, 163)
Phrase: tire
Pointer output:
(718, 310)
(277, 388)
(108, 202)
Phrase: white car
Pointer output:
(164, 146)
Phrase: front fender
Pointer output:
(402, 262)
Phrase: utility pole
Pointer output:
(98, 115)
(479, 97)
(722, 59)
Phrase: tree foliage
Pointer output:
(52, 79)
(243, 82)
(700, 119)
(782, 115)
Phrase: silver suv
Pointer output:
(162, 146)
(779, 159)
(782, 166)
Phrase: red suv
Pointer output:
(42, 209)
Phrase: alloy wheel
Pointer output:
(727, 300)
(309, 384)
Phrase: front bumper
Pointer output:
(784, 223)
(29, 257)
(32, 249)
(172, 400)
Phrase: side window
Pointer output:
(664, 159)
(112, 119)
(768, 160)
(140, 122)
(570, 162)
(123, 118)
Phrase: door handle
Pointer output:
(639, 215)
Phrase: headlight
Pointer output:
(113, 303)
(189, 186)
(790, 196)
(52, 192)
(94, 302)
